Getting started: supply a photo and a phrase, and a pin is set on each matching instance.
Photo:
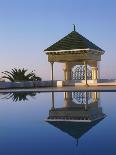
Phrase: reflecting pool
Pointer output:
(58, 123)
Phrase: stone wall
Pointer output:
(37, 84)
(28, 84)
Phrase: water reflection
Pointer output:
(18, 96)
(79, 113)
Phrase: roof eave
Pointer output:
(75, 50)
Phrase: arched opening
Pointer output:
(78, 72)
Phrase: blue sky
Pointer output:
(27, 27)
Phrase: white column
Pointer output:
(94, 73)
(98, 70)
(85, 65)
(52, 71)
(94, 96)
(53, 107)
(69, 74)
(67, 99)
(86, 100)
(64, 69)
(64, 74)
(67, 71)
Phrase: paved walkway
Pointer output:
(62, 89)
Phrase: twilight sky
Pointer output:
(27, 27)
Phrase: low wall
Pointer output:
(28, 84)
(57, 83)
(106, 80)
(71, 82)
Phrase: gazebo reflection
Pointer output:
(80, 112)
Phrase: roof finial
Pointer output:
(74, 27)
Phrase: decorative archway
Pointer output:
(78, 72)
(82, 97)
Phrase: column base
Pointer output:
(86, 85)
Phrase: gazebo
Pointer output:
(79, 55)
(77, 107)
(79, 112)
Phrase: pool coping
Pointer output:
(61, 89)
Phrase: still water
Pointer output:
(71, 123)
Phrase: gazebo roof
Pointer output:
(73, 41)
(74, 129)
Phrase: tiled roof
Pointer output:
(73, 40)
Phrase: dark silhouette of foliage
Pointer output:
(20, 75)
(17, 96)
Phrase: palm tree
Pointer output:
(19, 75)
(17, 96)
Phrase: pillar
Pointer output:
(67, 99)
(64, 74)
(96, 99)
(98, 70)
(53, 107)
(94, 73)
(52, 71)
(95, 70)
(86, 100)
(94, 96)
(85, 66)
(67, 71)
